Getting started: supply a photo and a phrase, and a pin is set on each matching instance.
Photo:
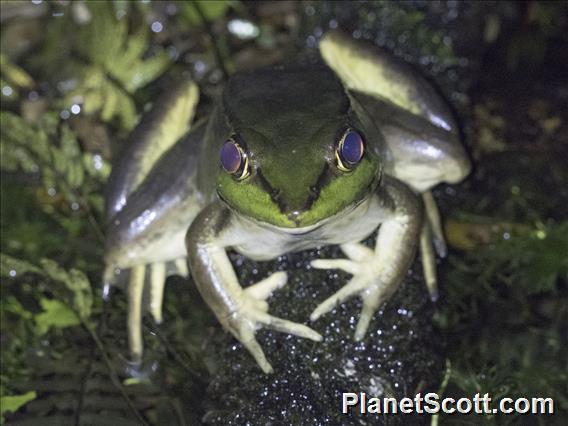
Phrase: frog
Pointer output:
(292, 157)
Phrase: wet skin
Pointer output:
(291, 158)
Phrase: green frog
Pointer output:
(291, 158)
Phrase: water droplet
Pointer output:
(97, 162)
(157, 26)
(243, 29)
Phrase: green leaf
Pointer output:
(211, 10)
(76, 282)
(12, 267)
(115, 66)
(14, 74)
(45, 147)
(11, 403)
(13, 305)
(55, 314)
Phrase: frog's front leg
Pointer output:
(377, 274)
(240, 311)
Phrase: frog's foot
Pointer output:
(252, 315)
(365, 283)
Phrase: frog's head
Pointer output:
(295, 152)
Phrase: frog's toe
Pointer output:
(344, 264)
(250, 317)
(355, 286)
(285, 326)
(357, 252)
(246, 337)
(262, 290)
(372, 299)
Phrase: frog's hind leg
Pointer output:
(157, 284)
(181, 267)
(134, 322)
(158, 273)
(428, 260)
(432, 241)
(435, 222)
(145, 292)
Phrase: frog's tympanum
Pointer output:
(291, 158)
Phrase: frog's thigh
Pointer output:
(135, 292)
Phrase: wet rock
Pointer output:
(399, 356)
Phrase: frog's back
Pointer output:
(283, 99)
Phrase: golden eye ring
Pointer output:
(234, 159)
(350, 150)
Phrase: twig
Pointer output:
(114, 375)
(214, 39)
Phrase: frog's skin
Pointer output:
(293, 193)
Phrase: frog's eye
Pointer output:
(350, 150)
(234, 160)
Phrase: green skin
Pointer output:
(293, 155)
(289, 121)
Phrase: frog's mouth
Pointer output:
(308, 229)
